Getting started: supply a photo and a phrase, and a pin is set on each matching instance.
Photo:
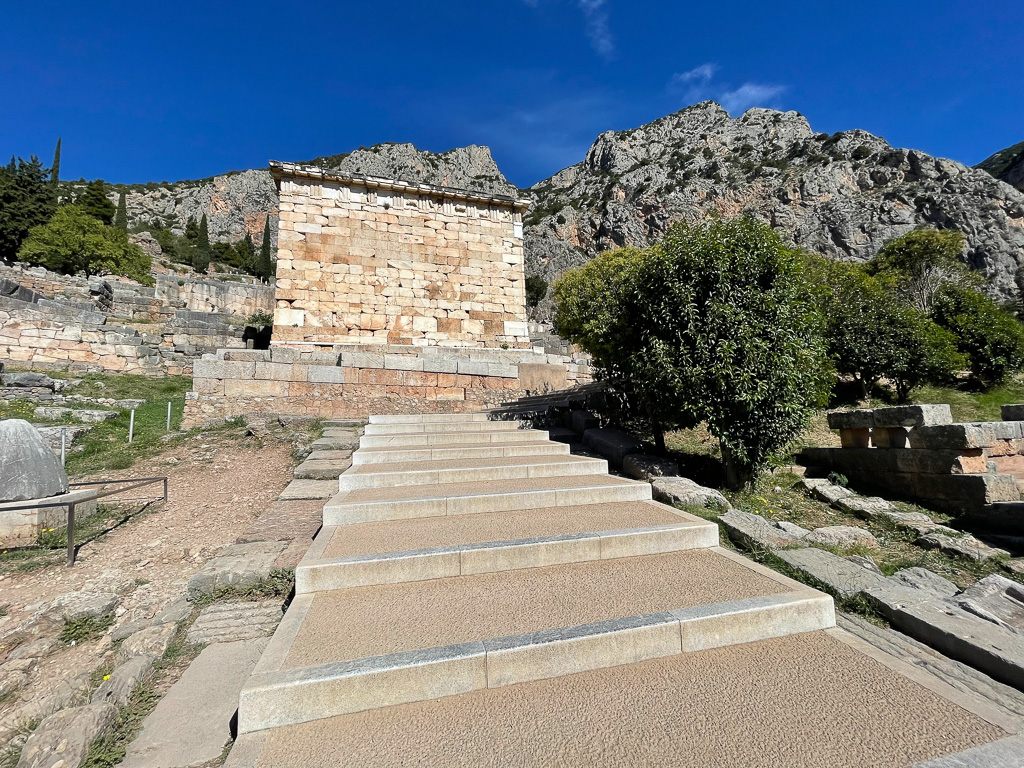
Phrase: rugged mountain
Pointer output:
(842, 195)
(1007, 164)
(239, 202)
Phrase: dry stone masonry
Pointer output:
(368, 260)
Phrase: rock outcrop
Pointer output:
(1007, 165)
(842, 195)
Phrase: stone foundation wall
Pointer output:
(357, 380)
(225, 297)
(373, 261)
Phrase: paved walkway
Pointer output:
(478, 596)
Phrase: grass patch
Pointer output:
(279, 584)
(18, 409)
(86, 628)
(973, 406)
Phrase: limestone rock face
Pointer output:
(28, 468)
(1007, 165)
(842, 196)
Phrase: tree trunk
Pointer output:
(659, 434)
(737, 476)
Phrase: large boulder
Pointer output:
(28, 468)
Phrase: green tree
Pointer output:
(192, 231)
(536, 290)
(55, 170)
(94, 202)
(246, 254)
(873, 334)
(716, 324)
(919, 264)
(991, 338)
(26, 201)
(121, 216)
(264, 262)
(201, 256)
(73, 241)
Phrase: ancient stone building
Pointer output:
(371, 261)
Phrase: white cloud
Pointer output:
(698, 84)
(748, 95)
(701, 74)
(600, 35)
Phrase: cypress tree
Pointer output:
(55, 170)
(26, 201)
(265, 264)
(201, 257)
(121, 217)
(94, 202)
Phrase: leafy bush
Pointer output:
(919, 264)
(715, 324)
(536, 290)
(73, 241)
(990, 337)
(260, 319)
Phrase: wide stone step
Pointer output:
(451, 438)
(441, 427)
(466, 498)
(429, 418)
(390, 455)
(467, 470)
(438, 547)
(355, 649)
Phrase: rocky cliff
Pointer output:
(239, 202)
(841, 195)
(1007, 164)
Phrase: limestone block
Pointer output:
(841, 536)
(644, 467)
(1013, 412)
(28, 468)
(961, 436)
(855, 438)
(62, 739)
(843, 577)
(280, 372)
(754, 532)
(295, 318)
(897, 416)
(151, 641)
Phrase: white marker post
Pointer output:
(131, 426)
(168, 415)
(63, 445)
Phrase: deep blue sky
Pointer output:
(166, 91)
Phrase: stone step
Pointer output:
(480, 497)
(441, 427)
(429, 418)
(356, 649)
(454, 438)
(390, 455)
(467, 470)
(321, 469)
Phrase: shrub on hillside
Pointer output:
(990, 337)
(921, 263)
(715, 324)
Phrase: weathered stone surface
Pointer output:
(309, 489)
(965, 546)
(867, 507)
(682, 490)
(28, 379)
(830, 493)
(78, 605)
(963, 436)
(841, 536)
(152, 641)
(613, 444)
(754, 532)
(320, 469)
(644, 467)
(1014, 412)
(172, 613)
(62, 739)
(117, 688)
(236, 565)
(865, 562)
(996, 599)
(896, 416)
(926, 581)
(844, 578)
(35, 649)
(215, 678)
(28, 468)
(233, 621)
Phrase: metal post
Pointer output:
(168, 415)
(63, 445)
(131, 426)
(165, 489)
(71, 534)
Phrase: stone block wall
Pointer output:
(917, 452)
(372, 261)
(238, 298)
(358, 380)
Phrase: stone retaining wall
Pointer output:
(357, 380)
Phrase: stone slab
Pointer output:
(62, 739)
(317, 469)
(179, 733)
(841, 576)
(889, 418)
(753, 531)
(236, 565)
(234, 621)
(684, 491)
(309, 489)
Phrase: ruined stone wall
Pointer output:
(369, 261)
(226, 297)
(358, 381)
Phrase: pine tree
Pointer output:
(26, 201)
(264, 263)
(201, 257)
(94, 202)
(55, 170)
(246, 253)
(121, 217)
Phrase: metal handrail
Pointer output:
(136, 482)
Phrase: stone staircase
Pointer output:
(463, 554)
